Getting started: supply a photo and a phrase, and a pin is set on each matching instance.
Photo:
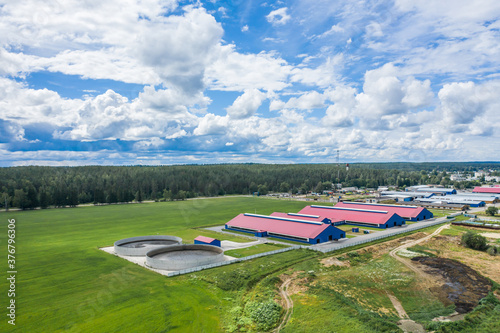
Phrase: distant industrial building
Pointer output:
(405, 196)
(436, 190)
(440, 205)
(486, 197)
(410, 213)
(412, 194)
(493, 190)
(207, 241)
(353, 216)
(305, 229)
(453, 199)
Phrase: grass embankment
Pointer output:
(442, 212)
(65, 283)
(251, 288)
(248, 251)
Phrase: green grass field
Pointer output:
(65, 283)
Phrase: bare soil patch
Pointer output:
(494, 235)
(333, 261)
(408, 325)
(464, 286)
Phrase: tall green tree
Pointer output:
(138, 196)
(44, 199)
(492, 210)
(20, 199)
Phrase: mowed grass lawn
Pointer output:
(65, 283)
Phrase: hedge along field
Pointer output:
(65, 283)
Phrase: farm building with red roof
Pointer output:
(305, 229)
(360, 217)
(314, 218)
(411, 213)
(494, 190)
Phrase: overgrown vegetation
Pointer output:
(424, 250)
(491, 210)
(483, 318)
(474, 241)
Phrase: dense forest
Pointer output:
(31, 187)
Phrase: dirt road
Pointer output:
(406, 324)
(408, 262)
(288, 304)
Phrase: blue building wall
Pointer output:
(425, 214)
(395, 220)
(329, 234)
(215, 242)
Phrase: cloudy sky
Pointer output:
(123, 82)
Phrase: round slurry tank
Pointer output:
(139, 246)
(177, 257)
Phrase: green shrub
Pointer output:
(474, 241)
(353, 254)
(491, 210)
(493, 250)
(264, 314)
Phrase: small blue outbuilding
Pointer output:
(207, 241)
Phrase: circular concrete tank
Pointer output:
(139, 246)
(177, 257)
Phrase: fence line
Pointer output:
(296, 247)
(486, 220)
(343, 246)
(233, 261)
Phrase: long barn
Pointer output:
(410, 213)
(490, 190)
(359, 217)
(304, 229)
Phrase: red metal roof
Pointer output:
(315, 218)
(403, 211)
(204, 239)
(283, 226)
(348, 215)
(478, 189)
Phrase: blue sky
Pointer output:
(169, 82)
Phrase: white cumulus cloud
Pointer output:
(278, 16)
(247, 104)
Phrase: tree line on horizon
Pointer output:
(38, 186)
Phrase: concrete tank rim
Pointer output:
(184, 247)
(174, 265)
(120, 249)
(146, 238)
